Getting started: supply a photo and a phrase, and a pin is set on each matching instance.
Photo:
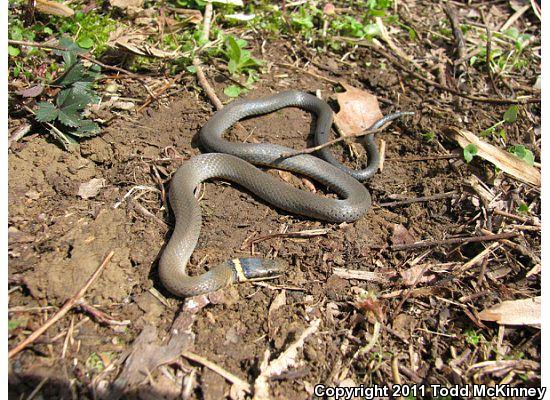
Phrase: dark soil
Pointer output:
(58, 239)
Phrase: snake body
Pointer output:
(236, 166)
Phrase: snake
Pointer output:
(237, 162)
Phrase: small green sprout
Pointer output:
(469, 152)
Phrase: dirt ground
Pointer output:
(57, 239)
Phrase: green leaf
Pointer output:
(232, 91)
(233, 49)
(469, 152)
(87, 128)
(85, 42)
(371, 30)
(46, 112)
(71, 75)
(523, 208)
(523, 153)
(13, 323)
(13, 51)
(232, 66)
(511, 114)
(70, 116)
(69, 97)
(428, 136)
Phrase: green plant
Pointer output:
(95, 363)
(239, 62)
(428, 136)
(523, 208)
(239, 59)
(469, 152)
(509, 116)
(64, 115)
(472, 337)
(507, 53)
(523, 153)
(13, 324)
(89, 30)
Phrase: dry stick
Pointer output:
(436, 85)
(488, 53)
(155, 96)
(514, 17)
(63, 310)
(331, 142)
(418, 199)
(207, 21)
(235, 380)
(457, 33)
(516, 217)
(205, 85)
(461, 240)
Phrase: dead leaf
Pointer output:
(91, 188)
(124, 4)
(53, 8)
(502, 159)
(358, 110)
(401, 235)
(278, 302)
(514, 312)
(415, 275)
(33, 91)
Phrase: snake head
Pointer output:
(257, 269)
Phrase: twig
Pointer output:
(37, 388)
(514, 17)
(478, 258)
(361, 275)
(457, 33)
(369, 131)
(207, 20)
(63, 310)
(235, 380)
(516, 217)
(84, 56)
(461, 240)
(418, 199)
(100, 316)
(205, 85)
(488, 52)
(155, 96)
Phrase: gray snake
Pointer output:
(236, 166)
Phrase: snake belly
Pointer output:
(236, 166)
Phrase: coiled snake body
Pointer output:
(236, 166)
